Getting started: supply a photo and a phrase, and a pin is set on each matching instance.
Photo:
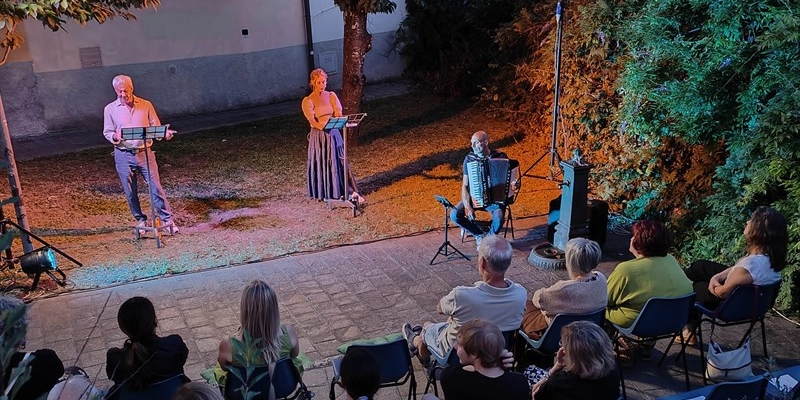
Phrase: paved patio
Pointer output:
(332, 297)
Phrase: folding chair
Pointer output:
(660, 318)
(287, 382)
(747, 304)
(548, 344)
(439, 362)
(162, 390)
(395, 362)
(752, 388)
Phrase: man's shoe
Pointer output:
(173, 229)
(142, 224)
(409, 334)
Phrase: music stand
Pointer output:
(145, 133)
(343, 123)
(444, 249)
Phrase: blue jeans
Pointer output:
(127, 165)
(498, 212)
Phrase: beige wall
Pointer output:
(180, 29)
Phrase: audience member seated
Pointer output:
(360, 375)
(260, 318)
(766, 240)
(45, 366)
(75, 385)
(197, 391)
(584, 292)
(145, 358)
(653, 273)
(480, 347)
(584, 364)
(494, 298)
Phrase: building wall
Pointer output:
(189, 57)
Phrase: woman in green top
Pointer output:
(653, 273)
(260, 318)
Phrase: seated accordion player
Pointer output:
(490, 180)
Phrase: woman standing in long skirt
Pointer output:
(325, 149)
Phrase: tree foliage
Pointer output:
(449, 43)
(54, 14)
(688, 109)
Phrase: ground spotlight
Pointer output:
(40, 261)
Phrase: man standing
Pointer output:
(493, 298)
(129, 111)
(463, 214)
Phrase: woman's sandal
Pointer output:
(690, 339)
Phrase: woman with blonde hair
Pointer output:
(260, 318)
(584, 364)
(325, 168)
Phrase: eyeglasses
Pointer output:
(474, 142)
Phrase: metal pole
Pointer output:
(553, 151)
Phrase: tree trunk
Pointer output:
(356, 44)
(13, 179)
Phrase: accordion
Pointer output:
(490, 180)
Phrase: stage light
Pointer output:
(40, 261)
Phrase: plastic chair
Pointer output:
(162, 390)
(286, 382)
(752, 388)
(660, 318)
(439, 362)
(548, 344)
(747, 304)
(395, 362)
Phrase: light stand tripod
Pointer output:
(444, 249)
(35, 262)
(342, 124)
(553, 152)
(145, 133)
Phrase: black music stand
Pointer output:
(444, 249)
(145, 133)
(343, 123)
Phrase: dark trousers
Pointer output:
(700, 273)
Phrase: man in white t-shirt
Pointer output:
(494, 298)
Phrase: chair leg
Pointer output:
(702, 352)
(622, 380)
(509, 223)
(764, 337)
(332, 395)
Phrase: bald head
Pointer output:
(480, 143)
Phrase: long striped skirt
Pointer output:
(325, 169)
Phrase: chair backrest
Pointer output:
(663, 315)
(394, 358)
(548, 343)
(747, 302)
(748, 389)
(286, 378)
(257, 381)
(162, 390)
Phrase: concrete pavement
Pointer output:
(333, 297)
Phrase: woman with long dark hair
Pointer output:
(145, 358)
(766, 240)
